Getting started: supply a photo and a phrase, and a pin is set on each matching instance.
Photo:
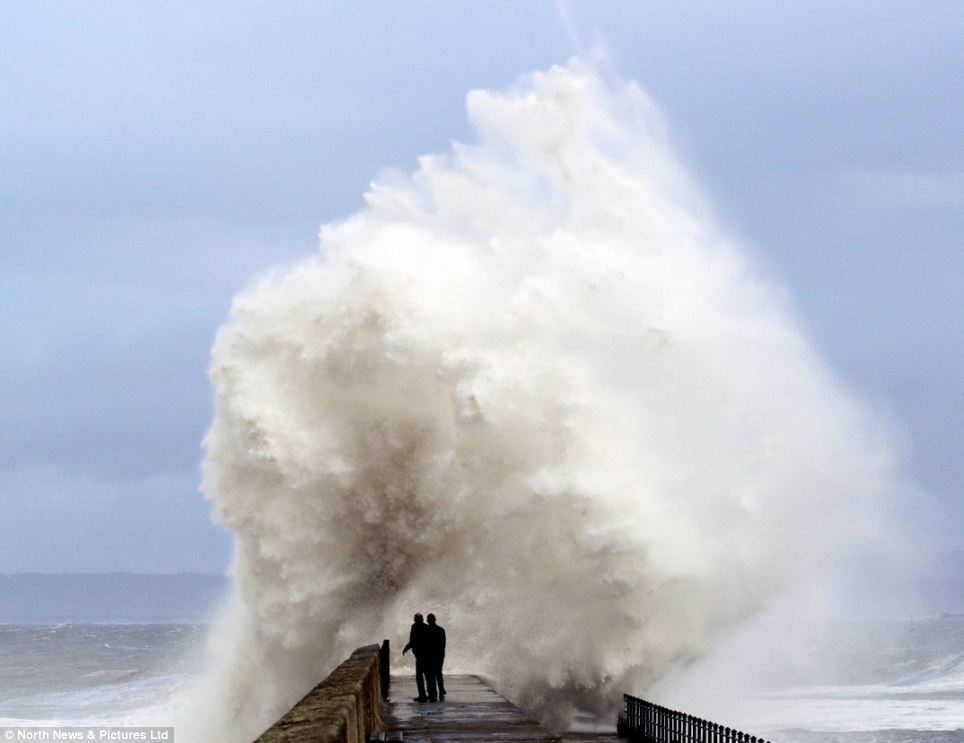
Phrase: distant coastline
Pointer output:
(110, 598)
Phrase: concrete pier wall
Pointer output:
(344, 708)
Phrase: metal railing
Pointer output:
(645, 721)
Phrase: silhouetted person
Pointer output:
(418, 643)
(436, 650)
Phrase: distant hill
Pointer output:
(37, 598)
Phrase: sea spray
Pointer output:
(535, 389)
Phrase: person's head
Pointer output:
(418, 617)
(431, 619)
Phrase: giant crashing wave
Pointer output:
(534, 388)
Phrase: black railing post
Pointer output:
(384, 668)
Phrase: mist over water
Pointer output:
(532, 387)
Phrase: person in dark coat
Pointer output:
(436, 649)
(419, 644)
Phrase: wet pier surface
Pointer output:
(472, 711)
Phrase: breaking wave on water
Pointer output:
(535, 388)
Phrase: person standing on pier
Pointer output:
(419, 643)
(436, 648)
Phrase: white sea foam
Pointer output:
(150, 701)
(534, 388)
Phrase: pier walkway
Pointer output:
(471, 713)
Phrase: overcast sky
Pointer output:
(155, 156)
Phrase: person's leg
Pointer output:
(431, 665)
(440, 680)
(420, 678)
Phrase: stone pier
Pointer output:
(471, 712)
(348, 707)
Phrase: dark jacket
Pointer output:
(418, 639)
(436, 641)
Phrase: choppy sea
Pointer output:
(892, 681)
(88, 674)
(911, 688)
